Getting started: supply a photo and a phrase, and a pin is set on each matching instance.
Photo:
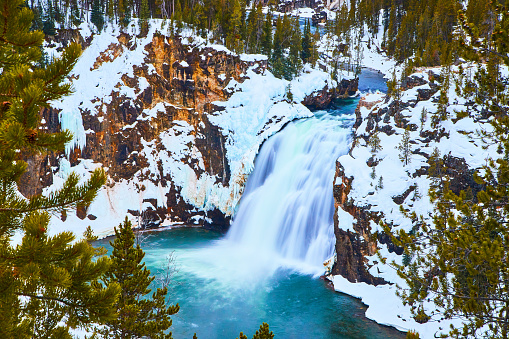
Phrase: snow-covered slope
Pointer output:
(372, 185)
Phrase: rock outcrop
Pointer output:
(377, 199)
(151, 128)
(352, 248)
(323, 98)
(186, 81)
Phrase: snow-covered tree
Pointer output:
(405, 151)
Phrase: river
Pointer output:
(267, 267)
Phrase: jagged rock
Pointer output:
(323, 98)
(387, 129)
(461, 176)
(424, 94)
(372, 161)
(371, 124)
(399, 199)
(412, 81)
(421, 171)
(352, 248)
(385, 239)
(64, 36)
(375, 116)
(435, 135)
(134, 213)
(81, 211)
(432, 76)
(115, 132)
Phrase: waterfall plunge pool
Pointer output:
(295, 305)
(267, 267)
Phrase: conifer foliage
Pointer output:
(405, 151)
(45, 281)
(97, 16)
(138, 316)
(458, 266)
(262, 333)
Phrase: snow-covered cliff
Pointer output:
(175, 121)
(375, 183)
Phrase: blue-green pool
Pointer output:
(294, 305)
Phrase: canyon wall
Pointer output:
(371, 186)
(175, 120)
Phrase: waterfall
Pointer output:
(287, 207)
(285, 216)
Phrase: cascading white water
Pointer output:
(285, 216)
(286, 211)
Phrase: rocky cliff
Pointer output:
(182, 85)
(373, 185)
(376, 182)
(176, 121)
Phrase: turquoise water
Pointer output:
(266, 269)
(294, 305)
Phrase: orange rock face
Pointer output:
(186, 80)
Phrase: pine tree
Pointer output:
(417, 193)
(392, 30)
(461, 257)
(278, 50)
(110, 11)
(74, 13)
(144, 15)
(233, 36)
(436, 172)
(423, 118)
(97, 16)
(289, 94)
(48, 26)
(443, 101)
(251, 29)
(267, 35)
(412, 335)
(293, 61)
(314, 48)
(138, 314)
(37, 24)
(307, 47)
(405, 151)
(48, 284)
(124, 12)
(374, 143)
(262, 333)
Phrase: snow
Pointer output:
(246, 116)
(461, 141)
(252, 57)
(303, 12)
(311, 80)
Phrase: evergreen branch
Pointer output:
(46, 298)
(10, 42)
(69, 195)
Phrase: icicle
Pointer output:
(72, 121)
